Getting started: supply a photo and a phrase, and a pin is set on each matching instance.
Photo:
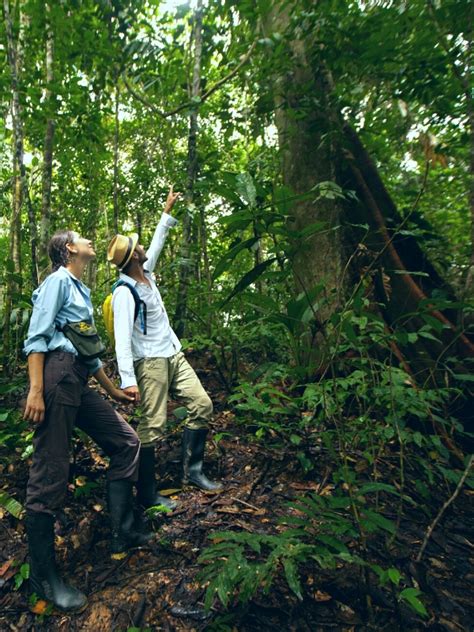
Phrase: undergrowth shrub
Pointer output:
(363, 410)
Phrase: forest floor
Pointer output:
(157, 588)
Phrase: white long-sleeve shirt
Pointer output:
(160, 341)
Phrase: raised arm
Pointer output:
(161, 232)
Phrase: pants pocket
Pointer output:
(68, 391)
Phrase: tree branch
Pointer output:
(243, 60)
(444, 507)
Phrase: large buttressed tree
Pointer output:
(358, 87)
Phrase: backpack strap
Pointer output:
(140, 306)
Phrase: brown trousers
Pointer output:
(70, 402)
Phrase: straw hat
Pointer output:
(121, 249)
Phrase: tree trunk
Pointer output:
(180, 316)
(308, 159)
(116, 153)
(49, 105)
(397, 255)
(19, 185)
(306, 118)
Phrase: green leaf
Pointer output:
(377, 487)
(410, 595)
(291, 574)
(297, 307)
(394, 575)
(246, 188)
(373, 519)
(11, 505)
(180, 413)
(295, 439)
(223, 264)
(246, 216)
(248, 279)
(464, 377)
(311, 229)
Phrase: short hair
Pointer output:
(57, 251)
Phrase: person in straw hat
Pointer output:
(151, 362)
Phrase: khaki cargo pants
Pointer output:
(158, 376)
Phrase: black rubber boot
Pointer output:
(194, 442)
(147, 495)
(45, 581)
(120, 503)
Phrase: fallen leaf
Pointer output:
(231, 510)
(5, 566)
(319, 595)
(40, 607)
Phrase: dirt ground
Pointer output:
(157, 588)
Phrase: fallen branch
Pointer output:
(238, 500)
(444, 507)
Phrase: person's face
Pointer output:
(81, 247)
(140, 252)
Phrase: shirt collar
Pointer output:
(84, 287)
(128, 279)
(63, 268)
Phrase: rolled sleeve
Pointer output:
(123, 306)
(161, 232)
(94, 365)
(47, 301)
(168, 220)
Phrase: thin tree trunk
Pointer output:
(204, 250)
(258, 258)
(49, 104)
(15, 60)
(180, 316)
(116, 154)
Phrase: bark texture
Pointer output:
(49, 105)
(15, 53)
(308, 158)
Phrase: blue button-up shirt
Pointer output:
(60, 299)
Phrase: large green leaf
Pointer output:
(11, 505)
(223, 264)
(248, 278)
(297, 307)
